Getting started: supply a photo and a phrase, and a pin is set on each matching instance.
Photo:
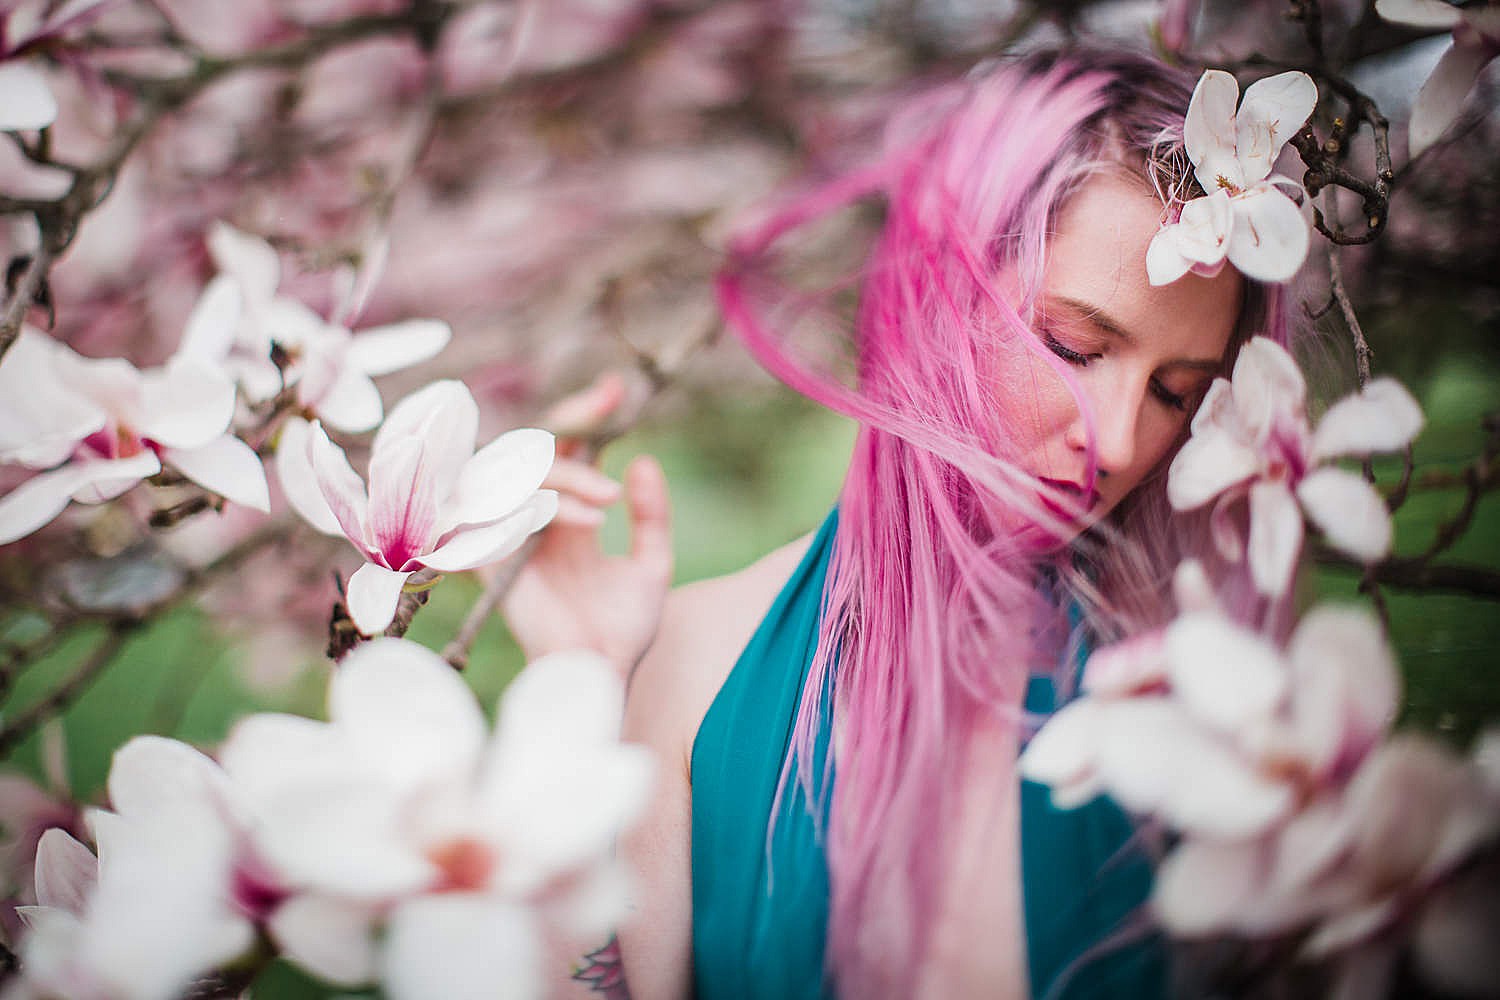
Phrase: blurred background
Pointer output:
(556, 179)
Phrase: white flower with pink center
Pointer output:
(1246, 216)
(1476, 42)
(99, 426)
(1251, 439)
(433, 502)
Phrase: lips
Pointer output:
(1077, 503)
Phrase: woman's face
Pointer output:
(1142, 355)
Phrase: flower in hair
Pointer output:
(1251, 438)
(1247, 216)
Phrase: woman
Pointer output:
(839, 810)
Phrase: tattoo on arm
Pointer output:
(602, 970)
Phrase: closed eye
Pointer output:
(1168, 397)
(1069, 355)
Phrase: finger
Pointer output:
(650, 510)
(582, 481)
(574, 513)
(582, 412)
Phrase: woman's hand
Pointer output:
(571, 594)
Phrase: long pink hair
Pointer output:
(935, 610)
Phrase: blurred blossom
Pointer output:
(104, 425)
(1177, 17)
(1246, 216)
(1476, 41)
(26, 98)
(433, 502)
(1251, 438)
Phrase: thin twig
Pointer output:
(457, 651)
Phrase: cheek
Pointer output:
(1031, 400)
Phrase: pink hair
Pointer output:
(934, 616)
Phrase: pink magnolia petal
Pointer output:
(228, 467)
(1347, 688)
(500, 477)
(1223, 528)
(298, 481)
(1270, 238)
(445, 414)
(384, 349)
(1192, 590)
(211, 326)
(404, 497)
(461, 946)
(26, 102)
(351, 404)
(1177, 18)
(1217, 409)
(1274, 108)
(1226, 676)
(405, 708)
(1349, 511)
(473, 547)
(1164, 261)
(187, 404)
(66, 872)
(1201, 886)
(1275, 537)
(42, 497)
(1419, 13)
(372, 594)
(342, 489)
(331, 938)
(1268, 389)
(1209, 463)
(1208, 131)
(1442, 96)
(1382, 417)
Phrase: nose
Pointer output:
(1116, 407)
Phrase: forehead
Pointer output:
(1098, 257)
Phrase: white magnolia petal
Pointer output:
(1217, 409)
(1061, 754)
(1275, 541)
(265, 750)
(404, 498)
(1201, 886)
(1127, 666)
(351, 404)
(47, 951)
(461, 946)
(42, 417)
(1226, 676)
(1203, 233)
(250, 260)
(1270, 237)
(1209, 463)
(42, 497)
(1192, 590)
(1419, 13)
(186, 404)
(1346, 688)
(1442, 96)
(105, 479)
(473, 547)
(1164, 262)
(298, 482)
(406, 709)
(1224, 530)
(331, 938)
(594, 903)
(290, 323)
(66, 872)
(372, 594)
(501, 476)
(212, 324)
(1274, 108)
(1208, 130)
(1268, 389)
(443, 411)
(342, 489)
(1139, 741)
(26, 102)
(573, 697)
(1349, 511)
(1382, 417)
(228, 467)
(384, 349)
(1216, 792)
(153, 778)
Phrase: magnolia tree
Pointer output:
(224, 225)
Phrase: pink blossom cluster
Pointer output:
(397, 842)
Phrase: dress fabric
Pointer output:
(760, 916)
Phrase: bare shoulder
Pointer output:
(704, 627)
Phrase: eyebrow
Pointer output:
(1114, 328)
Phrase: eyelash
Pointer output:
(1168, 398)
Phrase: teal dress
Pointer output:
(760, 915)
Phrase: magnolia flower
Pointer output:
(239, 318)
(1251, 438)
(433, 502)
(162, 906)
(1176, 25)
(99, 426)
(1246, 215)
(26, 101)
(400, 804)
(1476, 41)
